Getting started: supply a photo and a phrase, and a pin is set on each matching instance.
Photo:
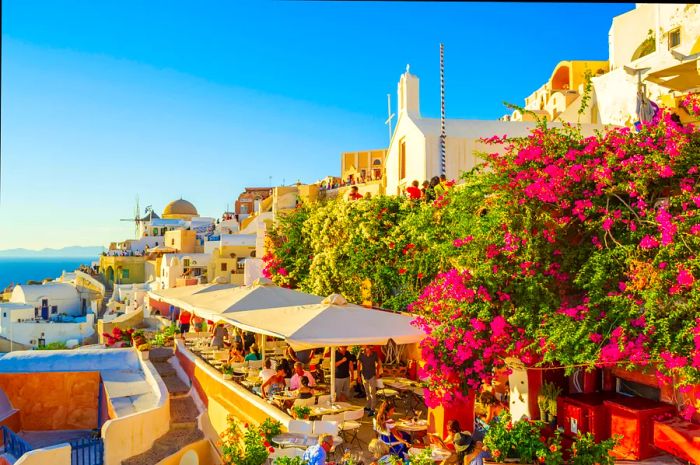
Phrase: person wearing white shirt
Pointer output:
(267, 372)
(299, 371)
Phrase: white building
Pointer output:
(176, 266)
(52, 312)
(414, 152)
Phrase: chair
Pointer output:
(255, 364)
(326, 427)
(324, 399)
(351, 426)
(304, 402)
(300, 426)
(337, 417)
(286, 452)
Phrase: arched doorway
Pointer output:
(109, 273)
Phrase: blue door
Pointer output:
(45, 309)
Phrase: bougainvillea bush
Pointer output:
(561, 250)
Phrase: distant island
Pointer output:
(65, 252)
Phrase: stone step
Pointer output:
(164, 368)
(183, 410)
(160, 354)
(176, 387)
(166, 445)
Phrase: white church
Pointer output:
(414, 152)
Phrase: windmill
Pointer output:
(137, 218)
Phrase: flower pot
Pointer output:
(143, 354)
(228, 376)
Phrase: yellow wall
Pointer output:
(354, 162)
(54, 455)
(182, 240)
(223, 255)
(53, 401)
(134, 265)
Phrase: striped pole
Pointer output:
(443, 135)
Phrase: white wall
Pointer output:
(415, 155)
(134, 434)
(53, 455)
(29, 333)
(62, 295)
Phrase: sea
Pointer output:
(21, 270)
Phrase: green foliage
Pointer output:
(520, 440)
(244, 444)
(585, 451)
(424, 457)
(289, 461)
(53, 346)
(301, 411)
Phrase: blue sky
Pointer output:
(104, 101)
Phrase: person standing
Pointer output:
(370, 368)
(344, 371)
(184, 320)
(413, 191)
(354, 194)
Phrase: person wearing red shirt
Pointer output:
(185, 322)
(354, 194)
(413, 191)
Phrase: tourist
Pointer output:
(174, 314)
(384, 426)
(460, 441)
(369, 368)
(299, 372)
(438, 188)
(274, 385)
(354, 194)
(316, 455)
(267, 372)
(413, 191)
(220, 333)
(253, 354)
(305, 391)
(184, 320)
(368, 196)
(380, 452)
(426, 185)
(344, 372)
(235, 354)
(248, 339)
(430, 190)
(284, 364)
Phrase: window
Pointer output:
(54, 309)
(186, 263)
(630, 388)
(125, 274)
(224, 267)
(36, 312)
(172, 241)
(674, 38)
(402, 159)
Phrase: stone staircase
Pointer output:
(183, 414)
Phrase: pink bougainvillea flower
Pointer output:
(648, 242)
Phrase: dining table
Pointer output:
(301, 440)
(437, 454)
(412, 427)
(332, 409)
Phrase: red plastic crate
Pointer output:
(632, 418)
(678, 437)
(585, 413)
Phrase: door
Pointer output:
(45, 309)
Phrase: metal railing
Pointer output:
(14, 445)
(87, 451)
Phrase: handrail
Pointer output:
(14, 445)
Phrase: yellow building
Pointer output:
(226, 265)
(560, 98)
(123, 269)
(182, 240)
(363, 166)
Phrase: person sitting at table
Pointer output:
(266, 372)
(219, 335)
(284, 364)
(380, 452)
(305, 391)
(253, 353)
(459, 441)
(384, 425)
(299, 372)
(274, 385)
(316, 455)
(235, 355)
(477, 456)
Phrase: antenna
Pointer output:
(443, 135)
(389, 113)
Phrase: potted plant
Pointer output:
(289, 461)
(547, 401)
(301, 412)
(244, 444)
(521, 441)
(143, 350)
(227, 371)
(585, 451)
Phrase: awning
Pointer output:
(682, 77)
(330, 324)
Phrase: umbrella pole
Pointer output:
(332, 375)
(262, 347)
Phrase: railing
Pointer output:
(14, 445)
(87, 451)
